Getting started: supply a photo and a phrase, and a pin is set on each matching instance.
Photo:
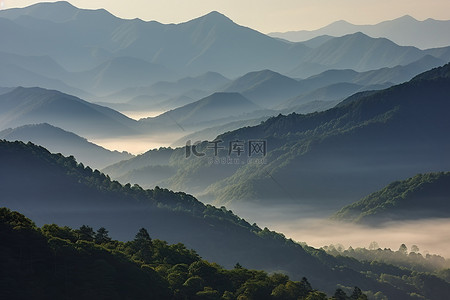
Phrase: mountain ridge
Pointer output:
(423, 196)
(24, 106)
(404, 30)
(58, 140)
(174, 217)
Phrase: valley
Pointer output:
(291, 165)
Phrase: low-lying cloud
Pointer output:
(431, 235)
(304, 224)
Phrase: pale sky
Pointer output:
(266, 15)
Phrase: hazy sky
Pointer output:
(267, 15)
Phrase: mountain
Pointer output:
(71, 41)
(168, 93)
(353, 149)
(405, 31)
(43, 65)
(209, 81)
(120, 73)
(266, 88)
(271, 89)
(104, 54)
(311, 107)
(32, 71)
(209, 43)
(87, 264)
(383, 76)
(60, 191)
(317, 41)
(332, 85)
(58, 12)
(24, 106)
(214, 107)
(420, 197)
(358, 52)
(57, 140)
(147, 169)
(333, 92)
(210, 133)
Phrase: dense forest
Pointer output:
(425, 266)
(50, 188)
(55, 262)
(421, 196)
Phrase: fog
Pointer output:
(431, 236)
(139, 114)
(138, 144)
(305, 224)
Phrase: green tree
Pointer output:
(403, 249)
(142, 235)
(101, 236)
(237, 266)
(85, 233)
(143, 246)
(316, 295)
(208, 294)
(339, 294)
(193, 285)
(64, 233)
(358, 294)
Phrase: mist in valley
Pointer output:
(313, 227)
(138, 144)
(139, 114)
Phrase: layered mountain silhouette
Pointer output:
(420, 197)
(218, 106)
(352, 149)
(57, 140)
(330, 93)
(265, 88)
(210, 43)
(24, 106)
(405, 31)
(58, 190)
(95, 43)
(119, 73)
(171, 94)
(358, 52)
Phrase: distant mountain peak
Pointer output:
(407, 17)
(213, 16)
(215, 13)
(64, 4)
(58, 12)
(263, 73)
(341, 22)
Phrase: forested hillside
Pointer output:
(81, 263)
(52, 188)
(421, 196)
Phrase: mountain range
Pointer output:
(258, 122)
(93, 54)
(61, 191)
(23, 106)
(405, 31)
(212, 108)
(57, 140)
(353, 149)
